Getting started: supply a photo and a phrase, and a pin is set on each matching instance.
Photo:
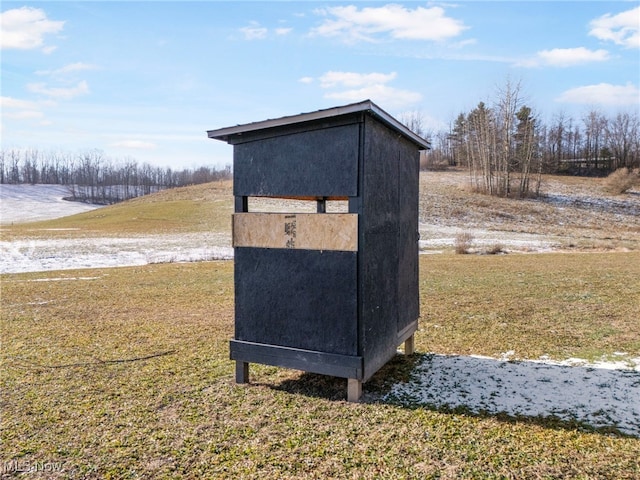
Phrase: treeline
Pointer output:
(95, 178)
(507, 147)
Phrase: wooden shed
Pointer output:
(329, 293)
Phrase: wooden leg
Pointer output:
(409, 346)
(242, 372)
(354, 390)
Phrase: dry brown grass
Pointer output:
(560, 305)
(463, 243)
(124, 373)
(573, 213)
(622, 180)
(199, 208)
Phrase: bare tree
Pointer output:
(621, 137)
(502, 145)
(557, 137)
(14, 166)
(595, 125)
(495, 146)
(414, 121)
(507, 106)
(527, 157)
(480, 135)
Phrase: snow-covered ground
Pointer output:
(604, 394)
(26, 203)
(30, 203)
(438, 238)
(21, 256)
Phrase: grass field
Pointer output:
(200, 208)
(573, 214)
(124, 373)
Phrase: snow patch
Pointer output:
(26, 203)
(602, 395)
(37, 255)
(30, 203)
(441, 237)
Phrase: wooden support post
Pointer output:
(354, 390)
(241, 203)
(242, 372)
(409, 346)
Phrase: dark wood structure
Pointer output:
(330, 293)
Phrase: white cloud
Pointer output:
(20, 109)
(59, 93)
(9, 102)
(354, 87)
(24, 115)
(384, 95)
(257, 32)
(254, 31)
(355, 24)
(621, 29)
(602, 94)
(463, 43)
(70, 68)
(565, 57)
(135, 144)
(49, 49)
(351, 79)
(306, 80)
(24, 29)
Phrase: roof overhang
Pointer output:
(366, 106)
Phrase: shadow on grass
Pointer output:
(554, 396)
(333, 388)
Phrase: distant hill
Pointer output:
(204, 207)
(30, 203)
(572, 214)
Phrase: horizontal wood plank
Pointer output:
(345, 366)
(307, 231)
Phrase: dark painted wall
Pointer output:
(389, 248)
(346, 303)
(320, 163)
(297, 298)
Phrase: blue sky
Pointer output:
(145, 80)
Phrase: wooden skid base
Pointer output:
(354, 390)
(349, 367)
(345, 366)
(409, 346)
(242, 372)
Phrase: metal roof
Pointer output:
(366, 106)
